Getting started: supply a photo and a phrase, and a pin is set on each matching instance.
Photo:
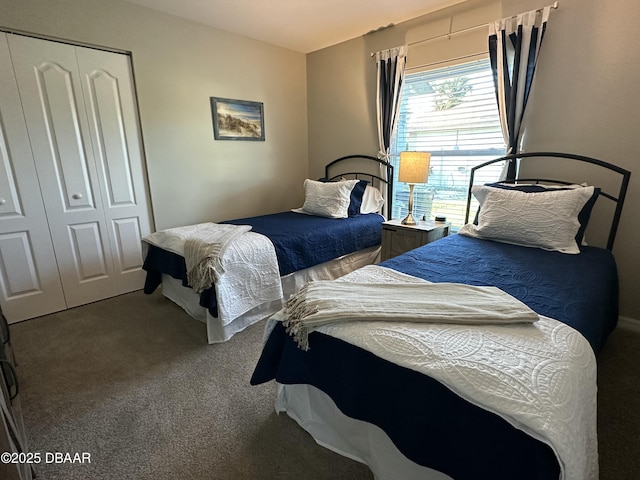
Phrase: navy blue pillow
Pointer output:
(583, 216)
(356, 196)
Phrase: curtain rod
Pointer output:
(464, 30)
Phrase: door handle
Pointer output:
(76, 196)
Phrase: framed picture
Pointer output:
(237, 119)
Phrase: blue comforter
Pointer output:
(579, 290)
(300, 241)
(429, 423)
(303, 241)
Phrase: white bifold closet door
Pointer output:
(81, 171)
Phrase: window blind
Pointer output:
(452, 113)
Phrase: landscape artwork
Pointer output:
(237, 119)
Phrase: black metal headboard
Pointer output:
(615, 196)
(382, 169)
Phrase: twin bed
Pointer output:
(337, 230)
(473, 400)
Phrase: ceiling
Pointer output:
(301, 25)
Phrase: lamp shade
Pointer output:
(414, 167)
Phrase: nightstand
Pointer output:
(398, 238)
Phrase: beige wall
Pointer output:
(178, 65)
(584, 101)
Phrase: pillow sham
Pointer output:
(327, 199)
(372, 200)
(583, 216)
(546, 220)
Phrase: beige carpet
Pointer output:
(132, 382)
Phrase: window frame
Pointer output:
(434, 192)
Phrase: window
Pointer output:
(452, 113)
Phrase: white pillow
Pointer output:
(547, 220)
(372, 200)
(327, 199)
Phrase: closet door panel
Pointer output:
(53, 103)
(107, 124)
(89, 255)
(64, 141)
(128, 243)
(107, 82)
(18, 267)
(30, 285)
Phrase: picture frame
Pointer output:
(237, 119)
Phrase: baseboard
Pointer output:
(627, 323)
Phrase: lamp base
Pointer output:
(408, 220)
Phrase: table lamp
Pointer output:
(414, 168)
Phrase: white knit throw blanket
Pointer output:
(203, 252)
(322, 302)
